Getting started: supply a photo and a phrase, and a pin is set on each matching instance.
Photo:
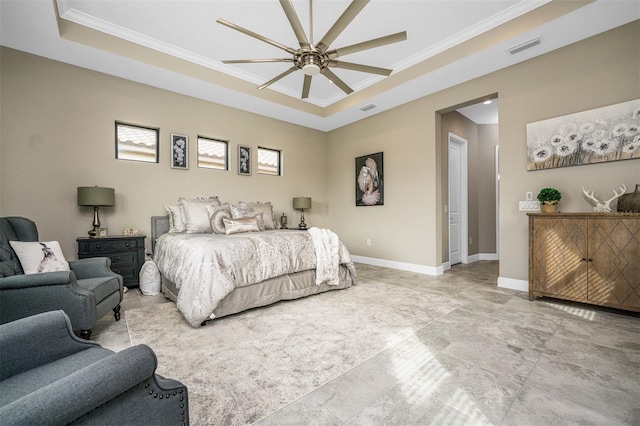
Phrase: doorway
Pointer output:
(458, 191)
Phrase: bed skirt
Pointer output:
(285, 287)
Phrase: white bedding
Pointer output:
(207, 267)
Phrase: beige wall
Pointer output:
(58, 133)
(487, 142)
(599, 71)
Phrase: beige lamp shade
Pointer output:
(96, 196)
(302, 203)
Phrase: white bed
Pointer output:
(243, 271)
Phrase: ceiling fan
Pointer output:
(317, 59)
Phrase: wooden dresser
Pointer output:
(586, 257)
(126, 254)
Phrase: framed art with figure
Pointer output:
(370, 180)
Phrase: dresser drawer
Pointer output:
(126, 254)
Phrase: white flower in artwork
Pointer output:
(632, 130)
(632, 146)
(573, 137)
(600, 134)
(567, 148)
(557, 140)
(605, 146)
(567, 128)
(619, 130)
(542, 154)
(589, 144)
(587, 128)
(636, 114)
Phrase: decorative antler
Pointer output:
(606, 206)
(590, 195)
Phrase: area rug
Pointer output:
(241, 368)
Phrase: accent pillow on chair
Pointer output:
(40, 257)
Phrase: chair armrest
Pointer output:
(37, 280)
(37, 340)
(77, 394)
(93, 267)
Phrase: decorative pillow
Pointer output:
(244, 224)
(238, 212)
(216, 214)
(265, 208)
(176, 222)
(38, 257)
(195, 214)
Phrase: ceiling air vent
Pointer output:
(367, 107)
(525, 45)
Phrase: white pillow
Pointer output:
(216, 214)
(240, 225)
(195, 214)
(176, 222)
(38, 257)
(265, 208)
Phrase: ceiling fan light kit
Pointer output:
(314, 60)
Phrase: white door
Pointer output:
(457, 199)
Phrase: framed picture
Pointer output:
(610, 133)
(244, 160)
(137, 143)
(369, 180)
(103, 232)
(179, 151)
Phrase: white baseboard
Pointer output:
(489, 256)
(471, 259)
(410, 267)
(446, 266)
(513, 284)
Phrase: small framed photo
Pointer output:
(103, 232)
(244, 160)
(179, 151)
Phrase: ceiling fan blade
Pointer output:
(335, 80)
(292, 16)
(359, 67)
(255, 61)
(256, 35)
(370, 44)
(306, 86)
(343, 21)
(273, 80)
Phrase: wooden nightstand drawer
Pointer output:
(126, 254)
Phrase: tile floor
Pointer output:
(497, 359)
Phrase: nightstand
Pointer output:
(126, 254)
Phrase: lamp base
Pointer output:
(93, 233)
(302, 226)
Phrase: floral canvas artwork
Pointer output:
(609, 133)
(179, 152)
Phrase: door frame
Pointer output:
(464, 195)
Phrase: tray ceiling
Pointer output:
(178, 46)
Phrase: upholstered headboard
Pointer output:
(159, 226)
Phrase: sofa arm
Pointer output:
(77, 394)
(21, 342)
(93, 267)
(37, 280)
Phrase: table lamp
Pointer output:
(302, 204)
(95, 196)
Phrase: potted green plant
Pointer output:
(548, 198)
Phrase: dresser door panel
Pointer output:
(560, 257)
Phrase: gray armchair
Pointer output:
(49, 376)
(86, 293)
